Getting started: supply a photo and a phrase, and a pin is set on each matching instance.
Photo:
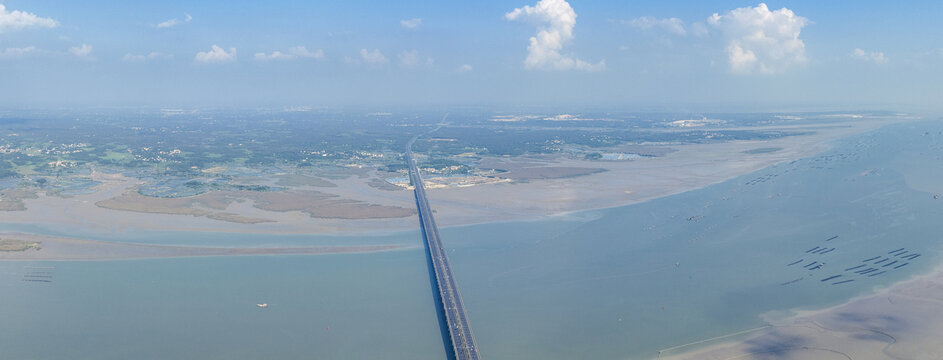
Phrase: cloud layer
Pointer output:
(16, 53)
(760, 40)
(412, 59)
(83, 50)
(874, 56)
(413, 23)
(374, 57)
(174, 22)
(141, 58)
(671, 25)
(297, 52)
(555, 20)
(216, 55)
(16, 20)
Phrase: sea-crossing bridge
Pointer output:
(463, 342)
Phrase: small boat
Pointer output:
(262, 305)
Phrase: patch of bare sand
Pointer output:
(901, 322)
(57, 248)
(327, 206)
(12, 199)
(315, 204)
(192, 205)
(294, 180)
(533, 169)
(79, 212)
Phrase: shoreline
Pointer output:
(460, 207)
(888, 322)
(524, 216)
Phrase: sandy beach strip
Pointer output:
(59, 248)
(903, 321)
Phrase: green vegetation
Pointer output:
(201, 149)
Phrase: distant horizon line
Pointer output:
(556, 107)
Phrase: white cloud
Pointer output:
(465, 68)
(875, 56)
(216, 55)
(81, 51)
(293, 53)
(302, 52)
(174, 22)
(275, 55)
(413, 23)
(760, 40)
(16, 20)
(373, 57)
(671, 25)
(409, 58)
(16, 53)
(168, 24)
(555, 21)
(141, 58)
(412, 58)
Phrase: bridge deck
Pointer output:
(463, 341)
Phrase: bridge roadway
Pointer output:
(463, 342)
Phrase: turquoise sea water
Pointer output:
(608, 284)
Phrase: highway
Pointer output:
(463, 341)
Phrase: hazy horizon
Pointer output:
(647, 54)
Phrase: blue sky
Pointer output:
(630, 54)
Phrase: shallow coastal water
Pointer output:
(616, 283)
(363, 306)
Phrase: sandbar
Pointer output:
(903, 321)
(60, 248)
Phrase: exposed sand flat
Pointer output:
(56, 248)
(302, 180)
(321, 205)
(902, 322)
(316, 204)
(193, 206)
(517, 172)
(12, 199)
(678, 168)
